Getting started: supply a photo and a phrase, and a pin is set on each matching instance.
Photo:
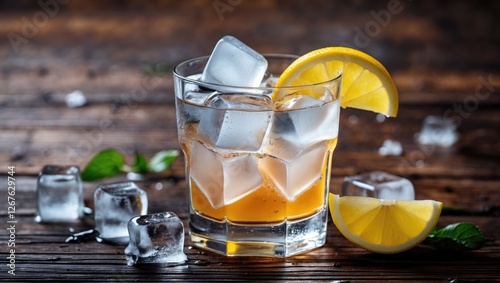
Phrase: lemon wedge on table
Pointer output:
(384, 226)
(366, 84)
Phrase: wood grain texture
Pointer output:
(444, 60)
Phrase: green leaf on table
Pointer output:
(162, 160)
(456, 237)
(140, 164)
(106, 163)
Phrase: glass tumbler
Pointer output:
(257, 160)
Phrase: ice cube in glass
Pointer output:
(294, 170)
(156, 238)
(311, 121)
(438, 131)
(115, 204)
(223, 179)
(379, 185)
(232, 63)
(59, 194)
(236, 122)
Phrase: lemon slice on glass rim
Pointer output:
(366, 84)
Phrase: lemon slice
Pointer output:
(384, 226)
(366, 84)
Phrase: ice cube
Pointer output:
(380, 185)
(75, 99)
(298, 101)
(114, 205)
(232, 63)
(390, 147)
(59, 194)
(193, 93)
(306, 126)
(438, 131)
(156, 238)
(292, 170)
(223, 179)
(236, 122)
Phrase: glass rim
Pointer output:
(267, 56)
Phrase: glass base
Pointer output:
(274, 240)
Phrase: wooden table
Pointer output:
(443, 57)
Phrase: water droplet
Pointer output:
(202, 262)
(419, 163)
(84, 236)
(380, 118)
(158, 186)
(87, 210)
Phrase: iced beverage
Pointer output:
(257, 167)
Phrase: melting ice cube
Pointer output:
(380, 185)
(114, 205)
(233, 63)
(223, 179)
(59, 194)
(156, 238)
(236, 122)
(437, 131)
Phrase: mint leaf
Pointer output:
(140, 164)
(162, 160)
(456, 237)
(106, 163)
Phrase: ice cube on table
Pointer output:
(391, 147)
(293, 171)
(306, 126)
(379, 185)
(223, 179)
(114, 205)
(59, 194)
(437, 131)
(232, 63)
(236, 122)
(156, 239)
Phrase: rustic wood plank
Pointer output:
(336, 260)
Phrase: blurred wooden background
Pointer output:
(444, 57)
(121, 52)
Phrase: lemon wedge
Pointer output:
(366, 84)
(384, 226)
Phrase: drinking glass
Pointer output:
(257, 160)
